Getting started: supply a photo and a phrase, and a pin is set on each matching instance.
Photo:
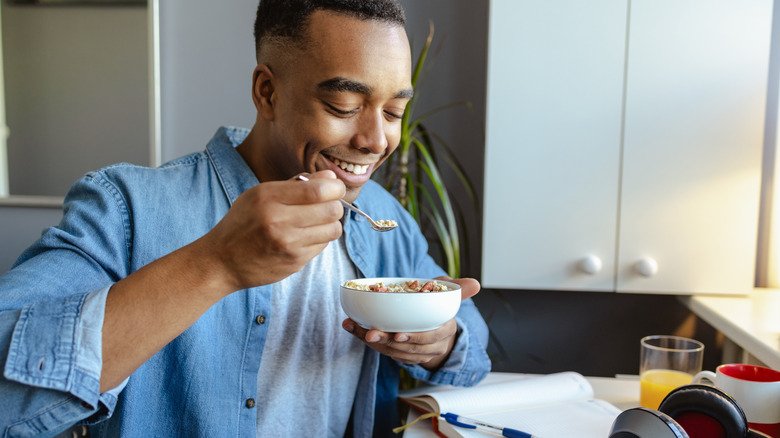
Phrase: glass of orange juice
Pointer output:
(665, 363)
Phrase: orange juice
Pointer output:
(654, 385)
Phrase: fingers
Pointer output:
(322, 174)
(468, 286)
(296, 203)
(316, 190)
(316, 234)
(419, 348)
(312, 188)
(311, 215)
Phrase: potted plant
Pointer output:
(413, 175)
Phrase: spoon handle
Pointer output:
(356, 210)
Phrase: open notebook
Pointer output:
(553, 405)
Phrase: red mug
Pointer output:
(756, 390)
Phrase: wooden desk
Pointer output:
(621, 392)
(751, 323)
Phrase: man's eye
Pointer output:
(394, 115)
(341, 112)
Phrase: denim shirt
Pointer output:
(120, 218)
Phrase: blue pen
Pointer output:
(470, 423)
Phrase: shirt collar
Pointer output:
(233, 172)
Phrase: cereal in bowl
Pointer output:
(406, 286)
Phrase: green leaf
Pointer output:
(413, 203)
(418, 68)
(422, 117)
(432, 171)
(423, 54)
(453, 240)
(446, 242)
(433, 215)
(457, 168)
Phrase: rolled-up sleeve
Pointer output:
(52, 304)
(51, 377)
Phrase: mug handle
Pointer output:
(705, 377)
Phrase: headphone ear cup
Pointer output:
(645, 423)
(705, 411)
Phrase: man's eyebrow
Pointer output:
(339, 84)
(344, 84)
(405, 94)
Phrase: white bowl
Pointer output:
(400, 311)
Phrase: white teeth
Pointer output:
(357, 169)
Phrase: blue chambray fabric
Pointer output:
(120, 218)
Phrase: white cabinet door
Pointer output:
(555, 87)
(694, 119)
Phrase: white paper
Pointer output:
(553, 406)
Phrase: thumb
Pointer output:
(468, 286)
(322, 174)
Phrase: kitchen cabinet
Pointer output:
(623, 144)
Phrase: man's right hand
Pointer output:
(274, 229)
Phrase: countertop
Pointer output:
(752, 321)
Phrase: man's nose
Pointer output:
(371, 134)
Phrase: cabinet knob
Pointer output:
(646, 267)
(591, 264)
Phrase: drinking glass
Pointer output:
(665, 363)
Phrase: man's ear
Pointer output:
(263, 91)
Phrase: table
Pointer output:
(623, 392)
(751, 323)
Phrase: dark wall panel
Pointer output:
(594, 333)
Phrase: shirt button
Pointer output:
(250, 403)
(260, 319)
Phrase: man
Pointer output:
(201, 298)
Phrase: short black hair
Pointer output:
(287, 19)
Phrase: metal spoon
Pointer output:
(378, 225)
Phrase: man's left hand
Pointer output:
(429, 349)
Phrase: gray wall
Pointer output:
(76, 92)
(19, 227)
(207, 59)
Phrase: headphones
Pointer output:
(691, 411)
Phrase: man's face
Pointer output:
(338, 104)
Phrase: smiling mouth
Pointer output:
(355, 168)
